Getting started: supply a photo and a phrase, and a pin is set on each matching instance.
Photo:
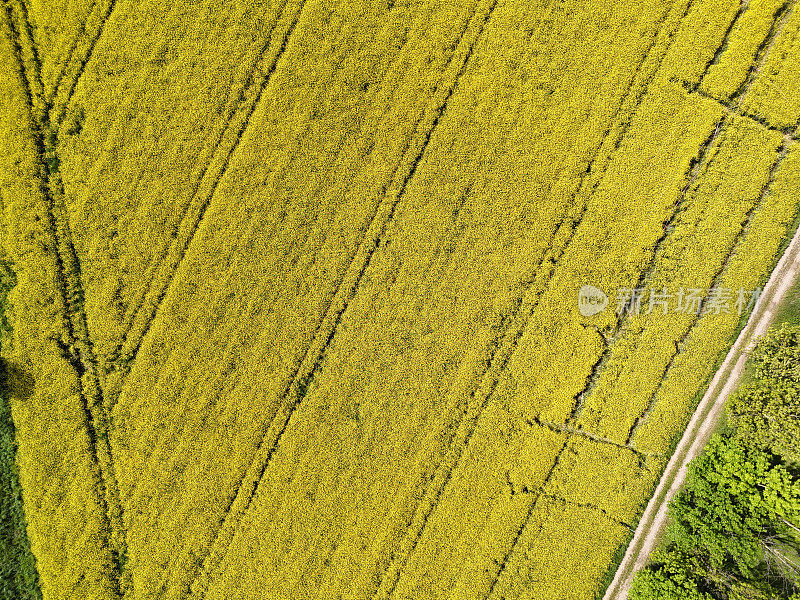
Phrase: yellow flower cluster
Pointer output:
(297, 282)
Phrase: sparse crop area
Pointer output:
(295, 307)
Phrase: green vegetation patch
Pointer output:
(18, 577)
(734, 530)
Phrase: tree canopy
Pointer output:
(734, 529)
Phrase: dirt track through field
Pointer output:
(704, 421)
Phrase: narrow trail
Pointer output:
(729, 374)
(704, 420)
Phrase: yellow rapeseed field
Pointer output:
(296, 306)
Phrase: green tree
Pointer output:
(736, 498)
(733, 530)
(672, 575)
(766, 412)
(777, 355)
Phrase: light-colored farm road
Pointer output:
(704, 420)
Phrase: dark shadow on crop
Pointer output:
(19, 579)
(15, 381)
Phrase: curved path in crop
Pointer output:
(704, 420)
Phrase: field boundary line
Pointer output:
(585, 433)
(711, 405)
(535, 497)
(587, 506)
(731, 109)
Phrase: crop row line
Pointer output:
(77, 349)
(788, 137)
(94, 38)
(193, 216)
(679, 344)
(219, 545)
(256, 226)
(617, 143)
(723, 45)
(184, 230)
(696, 167)
(509, 339)
(779, 19)
(298, 383)
(292, 391)
(29, 44)
(124, 355)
